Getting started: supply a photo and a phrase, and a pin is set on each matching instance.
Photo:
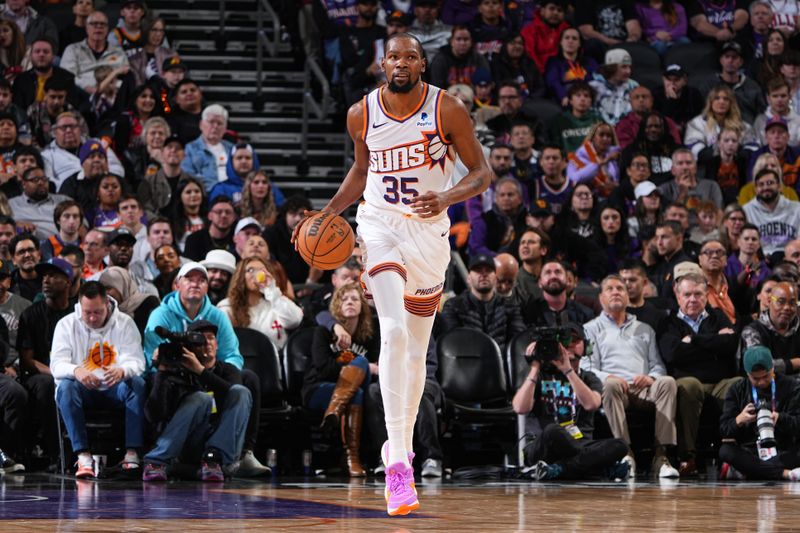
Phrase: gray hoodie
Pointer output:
(777, 227)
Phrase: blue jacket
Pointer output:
(171, 315)
(232, 188)
(199, 161)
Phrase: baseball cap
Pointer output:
(120, 234)
(685, 268)
(191, 267)
(540, 208)
(577, 330)
(172, 63)
(4, 115)
(221, 260)
(757, 356)
(674, 69)
(644, 188)
(776, 120)
(174, 139)
(731, 46)
(481, 76)
(398, 17)
(55, 264)
(5, 269)
(618, 56)
(481, 260)
(202, 325)
(246, 222)
(91, 146)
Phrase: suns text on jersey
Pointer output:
(399, 158)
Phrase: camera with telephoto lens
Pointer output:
(547, 341)
(171, 352)
(765, 425)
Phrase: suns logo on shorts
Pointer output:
(430, 151)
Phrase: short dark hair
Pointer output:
(634, 264)
(763, 172)
(55, 83)
(6, 220)
(92, 289)
(63, 206)
(158, 220)
(5, 84)
(510, 83)
(674, 226)
(22, 237)
(553, 146)
(516, 123)
(581, 86)
(73, 249)
(402, 35)
(750, 226)
(48, 40)
(295, 203)
(28, 172)
(185, 81)
(125, 196)
(677, 205)
(221, 199)
(500, 146)
(29, 150)
(544, 239)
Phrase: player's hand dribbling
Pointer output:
(306, 216)
(428, 205)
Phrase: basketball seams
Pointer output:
(321, 253)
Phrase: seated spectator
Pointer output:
(747, 266)
(14, 402)
(219, 233)
(457, 61)
(664, 23)
(35, 207)
(656, 143)
(128, 33)
(534, 245)
(68, 218)
(509, 96)
(279, 235)
(156, 191)
(431, 32)
(768, 67)
(88, 373)
(207, 156)
(123, 288)
(16, 115)
(777, 218)
(81, 59)
(338, 377)
(186, 112)
(721, 112)
(770, 161)
(707, 226)
(729, 166)
(625, 357)
(553, 308)
(580, 217)
(255, 301)
(777, 137)
(551, 187)
(568, 67)
(624, 197)
(507, 270)
(685, 188)
(712, 262)
(490, 28)
(513, 64)
(753, 36)
(571, 127)
(242, 160)
(642, 107)
(32, 24)
(43, 114)
(542, 33)
(120, 243)
(563, 447)
(129, 126)
(675, 99)
(320, 299)
(105, 215)
(777, 329)
(699, 347)
(613, 237)
(104, 103)
(95, 250)
(613, 84)
(634, 274)
(246, 227)
(714, 22)
(606, 24)
(189, 209)
(29, 86)
(524, 168)
(221, 265)
(148, 62)
(131, 217)
(779, 104)
(748, 93)
(502, 222)
(480, 307)
(679, 213)
(359, 45)
(669, 244)
(158, 232)
(763, 389)
(595, 162)
(76, 31)
(218, 386)
(259, 198)
(168, 262)
(62, 156)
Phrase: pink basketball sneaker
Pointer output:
(401, 496)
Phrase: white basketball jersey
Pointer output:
(408, 155)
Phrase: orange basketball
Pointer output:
(326, 241)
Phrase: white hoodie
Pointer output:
(116, 344)
(272, 315)
(776, 227)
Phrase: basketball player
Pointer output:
(406, 134)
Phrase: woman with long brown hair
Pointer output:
(258, 200)
(254, 301)
(337, 379)
(720, 112)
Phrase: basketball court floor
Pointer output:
(61, 504)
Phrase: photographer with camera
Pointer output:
(190, 387)
(96, 360)
(562, 400)
(760, 423)
(625, 356)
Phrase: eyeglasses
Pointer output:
(67, 127)
(782, 302)
(34, 179)
(713, 253)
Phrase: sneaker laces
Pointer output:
(396, 481)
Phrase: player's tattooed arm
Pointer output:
(458, 130)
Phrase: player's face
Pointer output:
(403, 64)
